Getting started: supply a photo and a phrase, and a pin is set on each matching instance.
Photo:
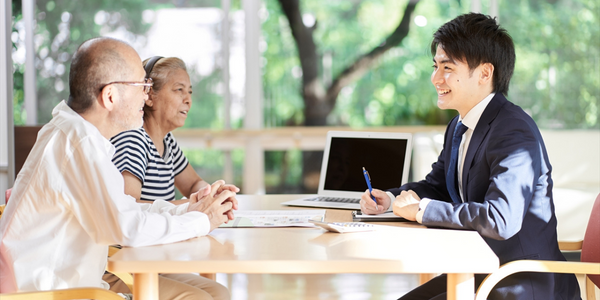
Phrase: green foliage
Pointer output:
(282, 173)
(278, 78)
(19, 113)
(209, 163)
(207, 108)
(556, 80)
(395, 92)
(62, 25)
(19, 116)
(557, 75)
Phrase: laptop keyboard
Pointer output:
(335, 199)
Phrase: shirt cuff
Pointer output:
(161, 206)
(422, 206)
(204, 227)
(204, 222)
(392, 198)
(196, 221)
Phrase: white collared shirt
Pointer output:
(68, 204)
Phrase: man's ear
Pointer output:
(487, 73)
(108, 96)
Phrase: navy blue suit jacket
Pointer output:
(507, 194)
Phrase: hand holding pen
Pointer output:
(373, 201)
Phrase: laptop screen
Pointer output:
(383, 158)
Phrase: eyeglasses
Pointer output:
(147, 84)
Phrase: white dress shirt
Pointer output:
(68, 204)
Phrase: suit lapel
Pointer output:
(481, 131)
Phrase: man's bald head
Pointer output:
(97, 62)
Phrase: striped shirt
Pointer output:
(136, 153)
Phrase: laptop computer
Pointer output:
(385, 155)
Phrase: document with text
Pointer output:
(275, 218)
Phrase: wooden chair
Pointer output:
(590, 261)
(127, 278)
(66, 294)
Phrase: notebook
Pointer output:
(385, 155)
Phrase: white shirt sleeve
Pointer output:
(110, 216)
(160, 206)
(422, 206)
(392, 199)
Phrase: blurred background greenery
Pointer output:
(557, 76)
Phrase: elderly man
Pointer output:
(68, 202)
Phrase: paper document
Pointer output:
(275, 218)
(389, 216)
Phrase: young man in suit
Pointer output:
(493, 175)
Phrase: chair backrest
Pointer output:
(590, 249)
(23, 145)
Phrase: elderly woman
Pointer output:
(152, 164)
(149, 158)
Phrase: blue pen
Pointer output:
(368, 179)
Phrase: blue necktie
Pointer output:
(451, 180)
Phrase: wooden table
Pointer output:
(402, 248)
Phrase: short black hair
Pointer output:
(475, 38)
(93, 64)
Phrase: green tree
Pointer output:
(556, 79)
(62, 25)
(18, 70)
(557, 74)
(320, 97)
(358, 38)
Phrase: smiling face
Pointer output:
(171, 104)
(457, 86)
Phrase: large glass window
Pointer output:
(190, 30)
(556, 79)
